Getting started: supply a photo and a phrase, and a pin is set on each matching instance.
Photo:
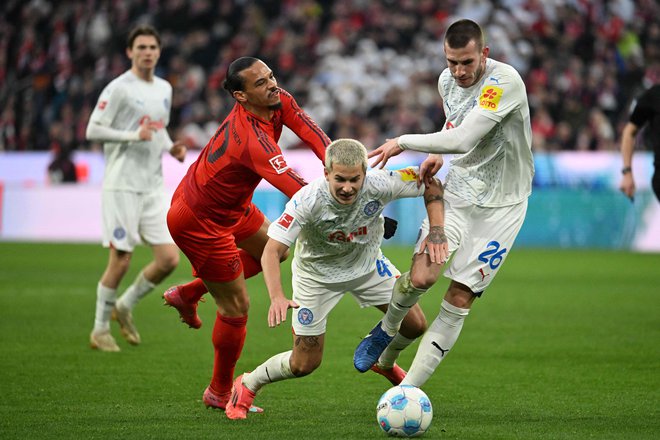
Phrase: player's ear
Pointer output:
(485, 51)
(240, 96)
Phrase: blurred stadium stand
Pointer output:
(363, 69)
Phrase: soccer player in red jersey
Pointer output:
(212, 218)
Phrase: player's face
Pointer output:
(260, 87)
(467, 64)
(345, 182)
(144, 53)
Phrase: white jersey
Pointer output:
(335, 242)
(123, 104)
(498, 170)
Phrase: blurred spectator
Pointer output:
(362, 69)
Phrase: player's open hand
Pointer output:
(278, 309)
(384, 152)
(179, 150)
(429, 168)
(436, 244)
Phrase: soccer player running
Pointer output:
(336, 224)
(646, 111)
(486, 192)
(213, 219)
(130, 119)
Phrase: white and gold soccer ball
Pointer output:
(404, 411)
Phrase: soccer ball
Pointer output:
(404, 411)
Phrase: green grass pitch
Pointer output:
(564, 345)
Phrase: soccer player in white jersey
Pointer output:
(486, 193)
(130, 119)
(337, 227)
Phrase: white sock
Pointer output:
(274, 369)
(404, 296)
(436, 343)
(391, 353)
(105, 302)
(135, 292)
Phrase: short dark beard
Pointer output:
(275, 106)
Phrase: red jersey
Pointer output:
(219, 185)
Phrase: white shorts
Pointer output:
(130, 218)
(317, 299)
(479, 239)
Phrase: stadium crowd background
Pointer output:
(362, 69)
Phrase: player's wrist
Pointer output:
(626, 170)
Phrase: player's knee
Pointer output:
(422, 279)
(169, 262)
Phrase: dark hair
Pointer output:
(142, 29)
(233, 80)
(461, 32)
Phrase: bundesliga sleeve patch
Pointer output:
(490, 97)
(102, 105)
(285, 221)
(279, 164)
(407, 174)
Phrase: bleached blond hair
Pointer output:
(347, 152)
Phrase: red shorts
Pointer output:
(211, 248)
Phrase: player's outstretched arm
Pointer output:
(274, 252)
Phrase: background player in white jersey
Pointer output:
(337, 227)
(130, 119)
(486, 192)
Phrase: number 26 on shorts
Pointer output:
(493, 255)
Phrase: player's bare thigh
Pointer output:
(254, 244)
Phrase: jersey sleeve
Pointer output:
(110, 102)
(99, 127)
(500, 95)
(268, 162)
(303, 125)
(643, 111)
(288, 226)
(403, 182)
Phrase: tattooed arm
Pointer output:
(436, 241)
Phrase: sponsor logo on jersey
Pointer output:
(119, 233)
(408, 174)
(340, 236)
(279, 164)
(285, 221)
(490, 97)
(305, 316)
(371, 208)
(102, 105)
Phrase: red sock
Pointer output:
(251, 267)
(193, 291)
(228, 339)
